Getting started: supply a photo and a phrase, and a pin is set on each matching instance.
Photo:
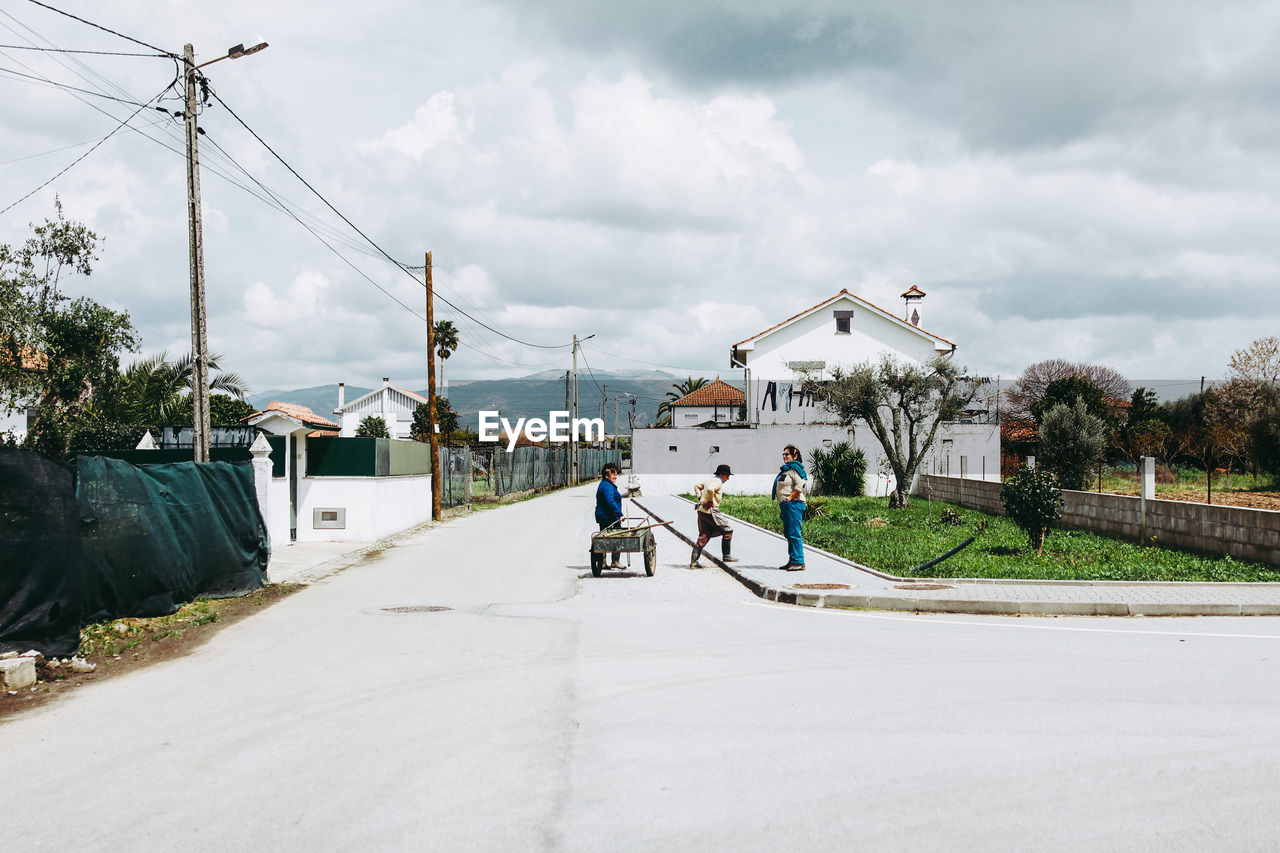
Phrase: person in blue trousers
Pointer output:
(609, 505)
(788, 491)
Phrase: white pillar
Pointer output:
(261, 452)
(1147, 493)
(1031, 462)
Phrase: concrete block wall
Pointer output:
(1243, 533)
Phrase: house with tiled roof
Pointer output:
(393, 404)
(16, 421)
(715, 404)
(284, 418)
(844, 329)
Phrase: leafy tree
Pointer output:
(54, 350)
(1199, 435)
(157, 390)
(446, 341)
(446, 418)
(1033, 502)
(373, 427)
(1144, 432)
(1072, 440)
(842, 470)
(1264, 432)
(903, 403)
(1067, 390)
(681, 389)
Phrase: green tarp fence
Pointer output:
(105, 539)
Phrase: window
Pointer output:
(715, 448)
(671, 448)
(844, 320)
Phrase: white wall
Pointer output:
(14, 422)
(690, 416)
(375, 506)
(755, 455)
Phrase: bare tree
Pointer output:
(1036, 378)
(1258, 362)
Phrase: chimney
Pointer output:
(342, 395)
(913, 297)
(386, 382)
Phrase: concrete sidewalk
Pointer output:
(308, 562)
(831, 581)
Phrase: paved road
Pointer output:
(549, 710)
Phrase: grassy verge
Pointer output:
(896, 541)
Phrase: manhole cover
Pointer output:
(417, 608)
(819, 586)
(923, 586)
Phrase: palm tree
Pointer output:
(446, 338)
(151, 389)
(682, 389)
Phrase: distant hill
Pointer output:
(524, 397)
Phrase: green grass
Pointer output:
(1126, 480)
(920, 533)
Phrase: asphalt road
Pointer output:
(549, 710)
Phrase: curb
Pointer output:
(912, 604)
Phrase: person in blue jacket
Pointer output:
(788, 491)
(609, 505)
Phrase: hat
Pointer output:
(723, 470)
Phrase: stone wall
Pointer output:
(1243, 533)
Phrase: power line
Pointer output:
(384, 253)
(84, 155)
(104, 29)
(93, 52)
(57, 85)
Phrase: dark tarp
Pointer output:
(160, 535)
(41, 567)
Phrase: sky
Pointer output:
(1093, 181)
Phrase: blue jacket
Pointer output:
(608, 503)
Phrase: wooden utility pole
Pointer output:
(199, 336)
(433, 430)
(568, 456)
(573, 416)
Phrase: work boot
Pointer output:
(725, 556)
(794, 567)
(695, 559)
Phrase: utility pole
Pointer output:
(604, 399)
(573, 416)
(433, 431)
(567, 455)
(615, 419)
(199, 336)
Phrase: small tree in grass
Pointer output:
(1032, 501)
(373, 427)
(1072, 441)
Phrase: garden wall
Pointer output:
(1243, 533)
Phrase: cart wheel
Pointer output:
(597, 563)
(650, 556)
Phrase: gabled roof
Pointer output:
(913, 291)
(299, 413)
(716, 393)
(843, 294)
(405, 391)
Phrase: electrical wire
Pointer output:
(84, 155)
(104, 29)
(93, 52)
(69, 87)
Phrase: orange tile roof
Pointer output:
(716, 393)
(913, 291)
(843, 292)
(297, 412)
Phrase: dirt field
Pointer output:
(1254, 500)
(123, 645)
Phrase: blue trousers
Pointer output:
(792, 513)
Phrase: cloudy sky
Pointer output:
(1094, 181)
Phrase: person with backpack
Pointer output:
(788, 491)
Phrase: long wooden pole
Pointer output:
(433, 431)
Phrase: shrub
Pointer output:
(842, 470)
(1073, 441)
(373, 427)
(1033, 502)
(815, 508)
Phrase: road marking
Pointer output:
(932, 620)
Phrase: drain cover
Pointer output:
(819, 586)
(923, 586)
(418, 608)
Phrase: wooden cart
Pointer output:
(625, 540)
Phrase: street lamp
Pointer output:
(199, 335)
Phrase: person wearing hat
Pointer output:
(711, 521)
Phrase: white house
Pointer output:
(842, 330)
(715, 403)
(394, 405)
